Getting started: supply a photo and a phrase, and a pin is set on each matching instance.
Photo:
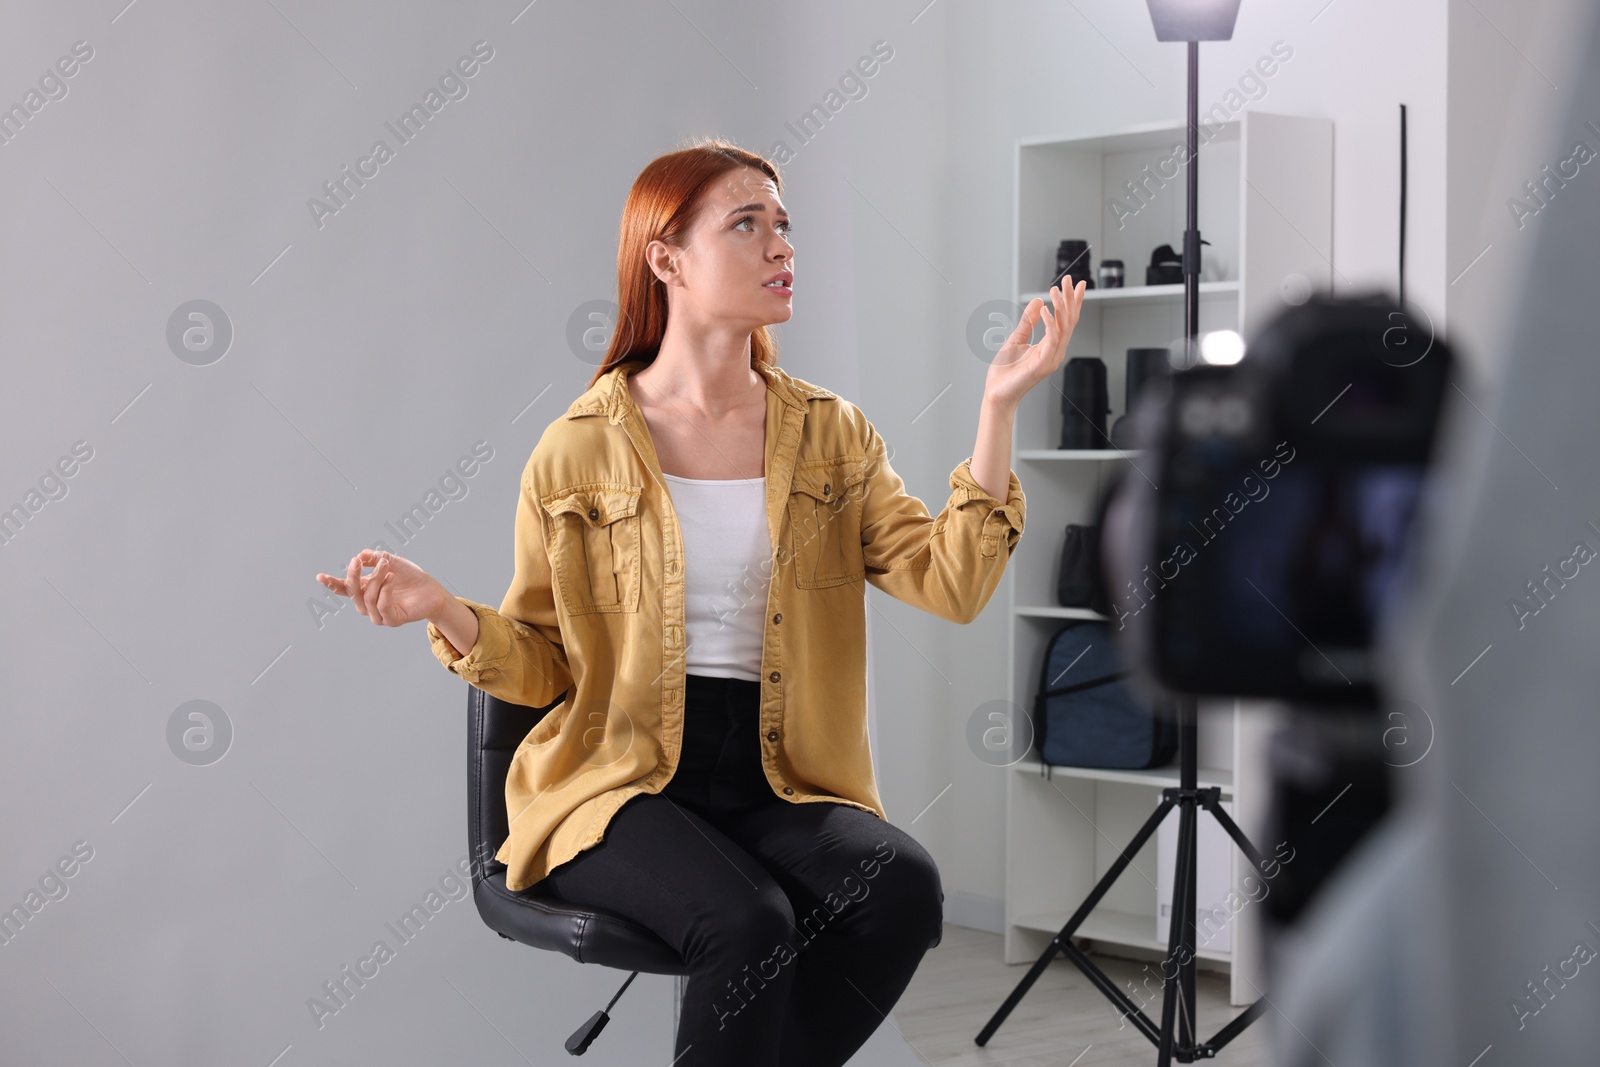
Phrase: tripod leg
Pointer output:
(1255, 1010)
(1188, 878)
(1064, 936)
(1103, 982)
(1019, 992)
(1187, 1032)
(1238, 835)
(1172, 966)
(1240, 1021)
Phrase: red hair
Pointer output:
(661, 206)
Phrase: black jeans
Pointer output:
(801, 924)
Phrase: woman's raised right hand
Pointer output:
(395, 593)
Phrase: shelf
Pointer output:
(1118, 927)
(1133, 295)
(1265, 205)
(1100, 454)
(1046, 612)
(1149, 135)
(1161, 777)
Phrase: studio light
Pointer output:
(1193, 20)
(1221, 348)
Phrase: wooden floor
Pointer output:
(962, 982)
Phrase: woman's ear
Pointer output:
(662, 259)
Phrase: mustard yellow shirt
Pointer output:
(596, 608)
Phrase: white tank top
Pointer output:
(728, 570)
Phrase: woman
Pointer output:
(693, 541)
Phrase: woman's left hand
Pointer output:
(1019, 366)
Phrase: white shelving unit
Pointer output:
(1265, 206)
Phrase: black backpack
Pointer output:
(1083, 713)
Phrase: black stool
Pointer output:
(589, 935)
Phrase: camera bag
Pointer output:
(1079, 583)
(1084, 715)
(1166, 267)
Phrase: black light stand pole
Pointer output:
(1184, 891)
(1191, 233)
(1178, 983)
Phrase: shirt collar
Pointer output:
(609, 396)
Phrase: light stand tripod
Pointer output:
(1178, 969)
(1172, 23)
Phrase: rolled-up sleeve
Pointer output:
(519, 655)
(949, 564)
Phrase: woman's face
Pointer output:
(739, 242)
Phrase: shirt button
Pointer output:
(672, 568)
(772, 735)
(778, 617)
(594, 513)
(774, 676)
(827, 488)
(787, 789)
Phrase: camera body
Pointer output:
(1256, 555)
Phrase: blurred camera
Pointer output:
(1258, 544)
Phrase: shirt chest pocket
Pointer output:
(595, 549)
(825, 503)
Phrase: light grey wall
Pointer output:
(1512, 68)
(433, 311)
(368, 353)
